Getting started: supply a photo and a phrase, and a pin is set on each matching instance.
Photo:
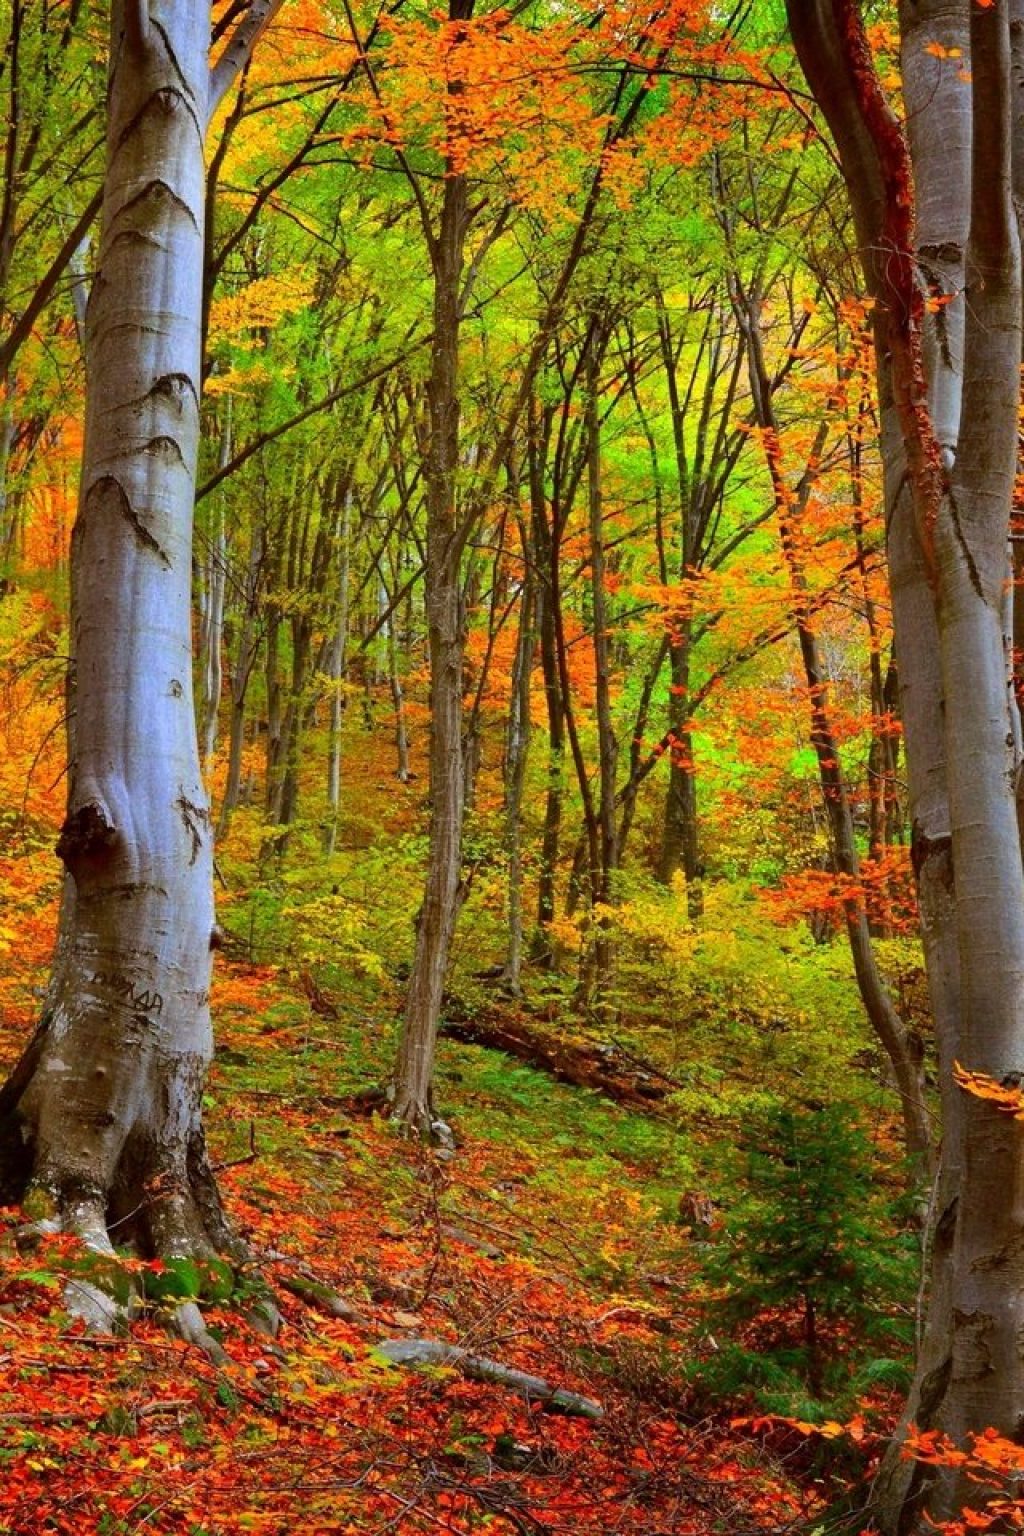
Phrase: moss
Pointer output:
(39, 1204)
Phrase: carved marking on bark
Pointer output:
(1009, 1253)
(972, 1355)
(128, 512)
(143, 1001)
(136, 237)
(86, 834)
(125, 892)
(172, 387)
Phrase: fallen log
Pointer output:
(413, 1352)
(606, 1069)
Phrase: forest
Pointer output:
(511, 767)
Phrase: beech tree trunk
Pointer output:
(949, 458)
(103, 1114)
(680, 847)
(213, 637)
(547, 637)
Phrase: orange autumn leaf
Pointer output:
(1009, 1097)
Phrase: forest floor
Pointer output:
(542, 1243)
(564, 1237)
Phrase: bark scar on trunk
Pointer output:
(87, 833)
(194, 817)
(167, 100)
(965, 548)
(107, 483)
(1009, 1253)
(972, 1352)
(156, 190)
(923, 848)
(166, 448)
(172, 59)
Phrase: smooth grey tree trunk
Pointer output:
(103, 1114)
(950, 460)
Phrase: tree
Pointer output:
(102, 1116)
(948, 378)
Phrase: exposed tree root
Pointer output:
(321, 1297)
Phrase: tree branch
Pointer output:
(136, 24)
(304, 415)
(238, 49)
(44, 290)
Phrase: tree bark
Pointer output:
(337, 670)
(517, 745)
(245, 660)
(414, 1070)
(602, 875)
(949, 459)
(105, 1105)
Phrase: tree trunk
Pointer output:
(517, 744)
(987, 1380)
(337, 675)
(547, 632)
(602, 875)
(107, 1099)
(248, 647)
(213, 639)
(413, 1093)
(679, 843)
(949, 462)
(403, 771)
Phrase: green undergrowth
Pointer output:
(747, 1027)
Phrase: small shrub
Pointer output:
(809, 1267)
